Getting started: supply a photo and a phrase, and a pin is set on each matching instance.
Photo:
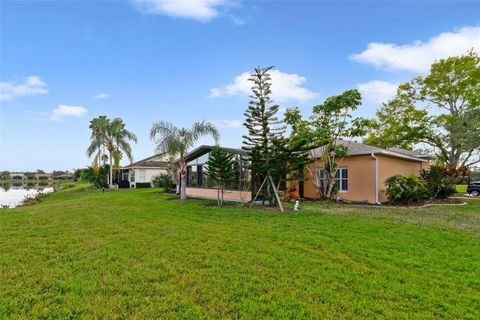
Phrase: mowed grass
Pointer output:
(140, 254)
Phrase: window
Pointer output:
(200, 176)
(341, 178)
(192, 176)
(141, 175)
(132, 176)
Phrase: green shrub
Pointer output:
(439, 181)
(164, 181)
(143, 185)
(96, 176)
(405, 189)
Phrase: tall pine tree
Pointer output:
(263, 128)
(221, 169)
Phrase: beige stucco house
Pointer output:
(362, 174)
(144, 170)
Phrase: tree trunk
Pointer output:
(111, 170)
(183, 184)
(221, 201)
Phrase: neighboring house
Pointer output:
(17, 176)
(361, 175)
(65, 176)
(43, 176)
(199, 184)
(144, 170)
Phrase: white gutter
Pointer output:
(376, 177)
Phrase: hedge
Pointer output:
(143, 185)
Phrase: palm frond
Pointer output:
(204, 128)
(163, 128)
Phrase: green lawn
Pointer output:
(145, 255)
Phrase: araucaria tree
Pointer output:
(441, 110)
(177, 141)
(112, 136)
(221, 170)
(263, 127)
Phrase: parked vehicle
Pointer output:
(474, 188)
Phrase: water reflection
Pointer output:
(13, 194)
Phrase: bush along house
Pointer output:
(200, 186)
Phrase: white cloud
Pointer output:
(285, 87)
(228, 123)
(102, 96)
(32, 85)
(62, 111)
(418, 56)
(201, 10)
(377, 91)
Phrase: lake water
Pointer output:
(13, 194)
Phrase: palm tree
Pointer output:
(109, 135)
(117, 142)
(177, 141)
(97, 140)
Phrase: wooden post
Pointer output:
(276, 193)
(258, 192)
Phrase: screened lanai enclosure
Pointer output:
(199, 185)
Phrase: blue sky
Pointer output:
(65, 62)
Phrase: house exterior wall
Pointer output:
(388, 166)
(361, 176)
(361, 179)
(229, 195)
(149, 174)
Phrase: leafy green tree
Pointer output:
(30, 175)
(330, 128)
(177, 141)
(441, 110)
(221, 169)
(4, 175)
(263, 127)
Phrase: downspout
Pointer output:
(376, 177)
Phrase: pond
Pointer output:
(13, 194)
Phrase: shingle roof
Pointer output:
(356, 149)
(150, 162)
(410, 153)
